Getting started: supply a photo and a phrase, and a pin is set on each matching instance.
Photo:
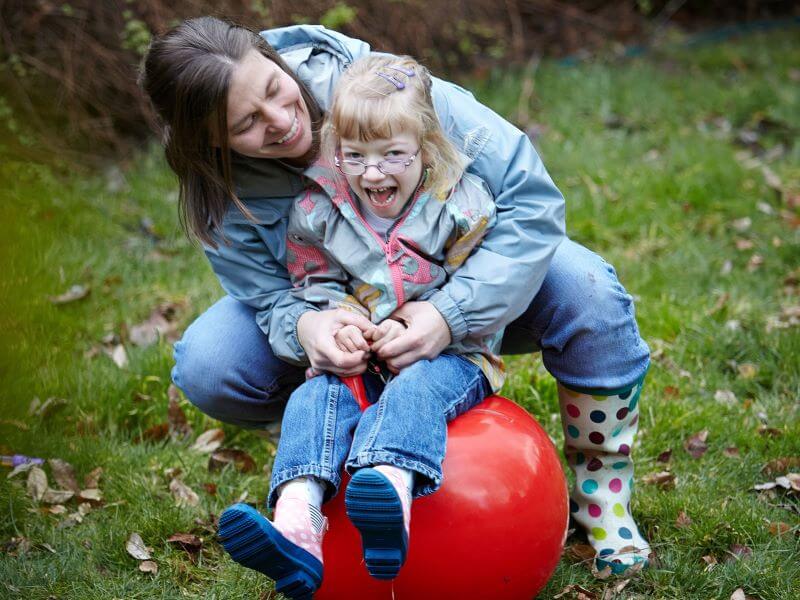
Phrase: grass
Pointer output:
(647, 153)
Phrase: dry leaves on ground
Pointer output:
(183, 494)
(64, 474)
(240, 459)
(683, 520)
(40, 409)
(781, 465)
(576, 592)
(179, 428)
(663, 479)
(136, 548)
(74, 293)
(160, 324)
(37, 483)
(738, 552)
(148, 566)
(696, 445)
(188, 541)
(208, 441)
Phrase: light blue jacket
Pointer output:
(490, 290)
(337, 260)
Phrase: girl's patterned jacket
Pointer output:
(336, 260)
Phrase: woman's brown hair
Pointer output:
(186, 74)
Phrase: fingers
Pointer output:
(345, 317)
(388, 330)
(351, 339)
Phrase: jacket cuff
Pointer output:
(293, 341)
(451, 313)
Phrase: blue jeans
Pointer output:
(582, 320)
(405, 425)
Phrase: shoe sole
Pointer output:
(253, 542)
(375, 510)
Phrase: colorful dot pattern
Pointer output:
(599, 434)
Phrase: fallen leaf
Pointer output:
(92, 495)
(37, 483)
(52, 496)
(726, 268)
(742, 225)
(148, 566)
(92, 480)
(118, 355)
(696, 445)
(794, 481)
(136, 548)
(71, 520)
(683, 520)
(779, 528)
(711, 562)
(155, 433)
(17, 546)
(738, 594)
(769, 431)
(84, 508)
(179, 428)
(781, 465)
(74, 293)
(210, 488)
(738, 552)
(614, 589)
(725, 397)
(15, 423)
(57, 509)
(64, 474)
(23, 468)
(44, 409)
(755, 262)
(183, 494)
(188, 541)
(581, 552)
(771, 179)
(672, 392)
(731, 452)
(579, 592)
(160, 324)
(663, 479)
(208, 441)
(744, 244)
(240, 459)
(665, 456)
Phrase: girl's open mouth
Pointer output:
(381, 196)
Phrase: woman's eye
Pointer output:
(250, 122)
(274, 88)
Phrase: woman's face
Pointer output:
(267, 117)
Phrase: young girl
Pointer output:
(389, 216)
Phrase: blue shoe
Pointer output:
(253, 542)
(374, 507)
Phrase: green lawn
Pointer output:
(682, 169)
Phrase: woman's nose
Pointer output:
(276, 118)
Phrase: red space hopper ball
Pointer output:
(494, 530)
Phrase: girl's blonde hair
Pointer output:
(379, 96)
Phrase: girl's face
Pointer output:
(385, 195)
(267, 117)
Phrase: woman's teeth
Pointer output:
(290, 134)
(381, 196)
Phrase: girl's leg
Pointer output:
(316, 434)
(225, 366)
(398, 449)
(583, 321)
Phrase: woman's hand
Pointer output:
(427, 334)
(351, 339)
(317, 331)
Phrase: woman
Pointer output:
(241, 119)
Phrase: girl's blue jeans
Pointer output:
(405, 425)
(582, 320)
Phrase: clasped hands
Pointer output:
(341, 342)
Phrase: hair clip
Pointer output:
(406, 72)
(392, 79)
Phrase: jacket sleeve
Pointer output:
(318, 282)
(506, 270)
(472, 208)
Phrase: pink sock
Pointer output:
(298, 516)
(403, 481)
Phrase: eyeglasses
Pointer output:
(390, 166)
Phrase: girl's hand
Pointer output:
(351, 339)
(427, 335)
(388, 330)
(316, 331)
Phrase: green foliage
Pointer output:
(338, 16)
(135, 34)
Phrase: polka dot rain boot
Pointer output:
(598, 434)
